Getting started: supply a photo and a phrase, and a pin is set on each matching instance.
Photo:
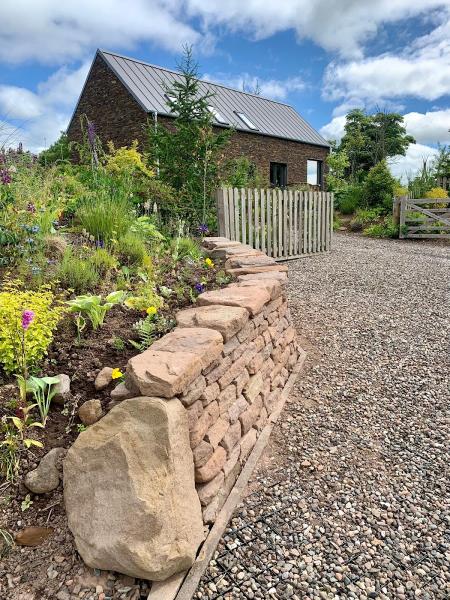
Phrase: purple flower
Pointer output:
(31, 207)
(91, 132)
(99, 244)
(199, 287)
(203, 229)
(5, 177)
(27, 318)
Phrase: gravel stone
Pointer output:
(352, 491)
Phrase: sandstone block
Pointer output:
(207, 491)
(255, 260)
(194, 412)
(212, 467)
(226, 398)
(253, 387)
(45, 478)
(278, 275)
(262, 419)
(232, 436)
(252, 299)
(253, 270)
(247, 443)
(237, 408)
(90, 411)
(241, 381)
(235, 369)
(256, 363)
(216, 432)
(62, 389)
(103, 379)
(211, 511)
(210, 393)
(162, 373)
(225, 319)
(121, 392)
(206, 343)
(194, 391)
(217, 373)
(230, 346)
(250, 416)
(202, 453)
(219, 242)
(230, 465)
(204, 422)
(129, 491)
(272, 286)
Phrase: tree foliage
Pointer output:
(370, 139)
(187, 154)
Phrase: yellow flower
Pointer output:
(209, 263)
(116, 374)
(151, 310)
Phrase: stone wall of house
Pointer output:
(119, 118)
(227, 362)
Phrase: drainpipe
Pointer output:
(155, 121)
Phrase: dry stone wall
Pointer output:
(227, 362)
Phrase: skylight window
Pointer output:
(216, 114)
(246, 121)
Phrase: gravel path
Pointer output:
(352, 497)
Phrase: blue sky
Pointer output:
(323, 57)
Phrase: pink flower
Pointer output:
(27, 318)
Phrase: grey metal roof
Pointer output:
(146, 83)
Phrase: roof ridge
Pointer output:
(227, 87)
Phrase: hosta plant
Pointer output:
(94, 308)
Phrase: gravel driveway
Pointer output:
(351, 499)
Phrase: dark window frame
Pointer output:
(278, 172)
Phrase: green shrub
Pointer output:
(379, 186)
(350, 199)
(364, 217)
(386, 229)
(131, 250)
(103, 261)
(16, 356)
(107, 219)
(185, 247)
(77, 273)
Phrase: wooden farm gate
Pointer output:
(282, 223)
(422, 217)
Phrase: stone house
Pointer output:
(121, 94)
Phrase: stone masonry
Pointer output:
(227, 362)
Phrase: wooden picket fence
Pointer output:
(282, 223)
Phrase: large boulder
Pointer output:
(129, 491)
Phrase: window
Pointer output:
(216, 114)
(278, 174)
(314, 172)
(246, 121)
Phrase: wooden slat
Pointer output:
(305, 221)
(429, 228)
(319, 223)
(243, 216)
(401, 226)
(269, 223)
(263, 220)
(285, 223)
(315, 222)
(257, 222)
(443, 236)
(280, 223)
(250, 216)
(237, 215)
(232, 200)
(300, 222)
(226, 212)
(274, 223)
(310, 221)
(295, 246)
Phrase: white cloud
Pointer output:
(277, 89)
(37, 118)
(343, 26)
(409, 165)
(422, 71)
(334, 130)
(430, 127)
(54, 31)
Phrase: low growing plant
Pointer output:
(77, 273)
(150, 329)
(386, 229)
(44, 390)
(94, 308)
(28, 320)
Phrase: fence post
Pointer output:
(221, 211)
(396, 209)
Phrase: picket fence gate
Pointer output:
(282, 223)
